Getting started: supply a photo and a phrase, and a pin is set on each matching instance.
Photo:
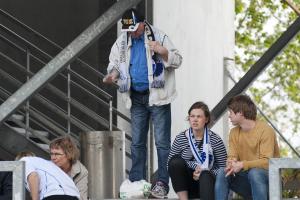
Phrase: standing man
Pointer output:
(143, 62)
(251, 144)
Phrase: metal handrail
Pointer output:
(15, 20)
(29, 44)
(89, 35)
(267, 119)
(42, 118)
(61, 61)
(50, 105)
(63, 96)
(108, 97)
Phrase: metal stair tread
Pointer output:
(23, 132)
(18, 117)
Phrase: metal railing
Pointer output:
(63, 102)
(65, 57)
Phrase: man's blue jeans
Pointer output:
(251, 184)
(161, 118)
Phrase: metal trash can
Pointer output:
(103, 153)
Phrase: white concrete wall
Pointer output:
(203, 31)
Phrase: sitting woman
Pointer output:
(196, 156)
(65, 154)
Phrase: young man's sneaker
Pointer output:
(160, 190)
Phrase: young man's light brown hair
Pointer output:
(243, 104)
(69, 147)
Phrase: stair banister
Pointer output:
(65, 57)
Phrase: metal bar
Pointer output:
(84, 80)
(255, 70)
(63, 96)
(48, 40)
(25, 42)
(27, 27)
(49, 105)
(81, 43)
(69, 100)
(102, 102)
(121, 115)
(90, 113)
(110, 115)
(90, 84)
(269, 121)
(57, 128)
(27, 102)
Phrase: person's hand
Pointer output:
(112, 77)
(237, 166)
(233, 166)
(196, 173)
(157, 48)
(229, 167)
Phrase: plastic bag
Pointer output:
(135, 190)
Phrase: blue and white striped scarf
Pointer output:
(207, 152)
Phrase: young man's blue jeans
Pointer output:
(161, 118)
(251, 184)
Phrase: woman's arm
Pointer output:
(33, 180)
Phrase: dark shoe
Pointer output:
(159, 190)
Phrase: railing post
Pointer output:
(69, 99)
(110, 115)
(27, 106)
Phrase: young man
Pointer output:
(143, 62)
(251, 144)
(46, 181)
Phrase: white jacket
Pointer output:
(158, 96)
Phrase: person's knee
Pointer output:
(221, 177)
(221, 174)
(206, 175)
(256, 175)
(176, 163)
(207, 178)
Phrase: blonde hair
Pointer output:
(69, 147)
(24, 154)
